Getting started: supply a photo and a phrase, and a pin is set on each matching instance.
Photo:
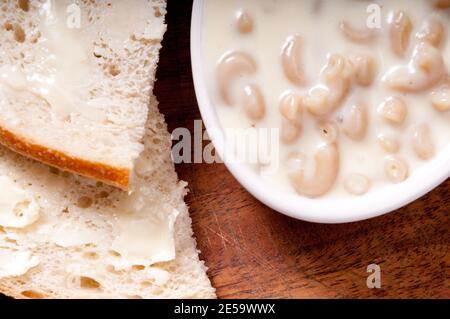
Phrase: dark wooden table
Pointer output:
(253, 251)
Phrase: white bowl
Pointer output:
(343, 210)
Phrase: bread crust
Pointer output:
(115, 176)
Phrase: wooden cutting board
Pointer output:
(255, 252)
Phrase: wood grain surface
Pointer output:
(255, 252)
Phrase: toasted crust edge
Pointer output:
(115, 176)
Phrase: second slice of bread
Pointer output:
(70, 244)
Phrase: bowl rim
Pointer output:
(328, 211)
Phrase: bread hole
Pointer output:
(65, 174)
(54, 170)
(112, 270)
(10, 241)
(32, 294)
(24, 5)
(91, 255)
(164, 266)
(157, 12)
(65, 210)
(147, 283)
(84, 202)
(133, 95)
(103, 194)
(19, 34)
(158, 292)
(89, 283)
(113, 70)
(8, 26)
(138, 267)
(114, 253)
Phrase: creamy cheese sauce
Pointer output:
(364, 165)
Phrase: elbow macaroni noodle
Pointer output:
(359, 92)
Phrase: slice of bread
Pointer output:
(68, 249)
(75, 81)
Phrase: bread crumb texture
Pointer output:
(101, 119)
(88, 267)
